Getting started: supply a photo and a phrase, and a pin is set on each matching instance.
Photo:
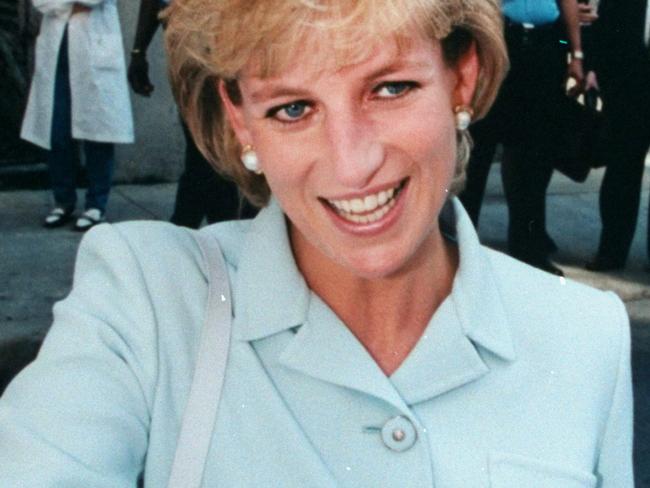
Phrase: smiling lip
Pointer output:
(370, 213)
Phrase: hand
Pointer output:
(586, 14)
(575, 72)
(138, 75)
(591, 81)
(78, 8)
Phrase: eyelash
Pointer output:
(408, 86)
(273, 112)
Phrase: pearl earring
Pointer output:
(250, 160)
(464, 114)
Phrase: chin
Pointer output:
(374, 266)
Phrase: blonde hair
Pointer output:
(212, 40)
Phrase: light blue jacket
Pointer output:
(521, 379)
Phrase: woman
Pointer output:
(375, 342)
(79, 94)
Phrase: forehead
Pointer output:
(334, 33)
(319, 60)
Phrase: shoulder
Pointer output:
(137, 233)
(525, 284)
(147, 277)
(139, 246)
(164, 258)
(572, 347)
(557, 318)
(231, 236)
(161, 244)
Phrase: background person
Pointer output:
(79, 94)
(375, 342)
(523, 119)
(202, 193)
(621, 58)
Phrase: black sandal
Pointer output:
(88, 219)
(57, 217)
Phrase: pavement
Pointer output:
(36, 264)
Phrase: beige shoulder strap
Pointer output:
(201, 410)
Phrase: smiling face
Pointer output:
(360, 158)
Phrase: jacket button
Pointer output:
(399, 434)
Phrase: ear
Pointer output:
(235, 115)
(467, 70)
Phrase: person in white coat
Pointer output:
(79, 93)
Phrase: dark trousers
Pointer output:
(202, 192)
(63, 157)
(525, 176)
(620, 192)
(521, 120)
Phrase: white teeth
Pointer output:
(369, 218)
(370, 203)
(357, 205)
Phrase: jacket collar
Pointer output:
(475, 291)
(271, 294)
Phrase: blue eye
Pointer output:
(290, 112)
(294, 110)
(394, 89)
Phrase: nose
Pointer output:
(356, 152)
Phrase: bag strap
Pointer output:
(201, 410)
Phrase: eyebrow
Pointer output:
(271, 92)
(398, 65)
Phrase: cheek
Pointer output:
(284, 163)
(430, 140)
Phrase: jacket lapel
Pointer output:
(469, 327)
(324, 348)
(271, 297)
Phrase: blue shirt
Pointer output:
(538, 12)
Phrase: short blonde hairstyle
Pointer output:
(212, 40)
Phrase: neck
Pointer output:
(389, 314)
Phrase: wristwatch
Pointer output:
(577, 55)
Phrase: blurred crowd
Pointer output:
(79, 105)
(603, 47)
